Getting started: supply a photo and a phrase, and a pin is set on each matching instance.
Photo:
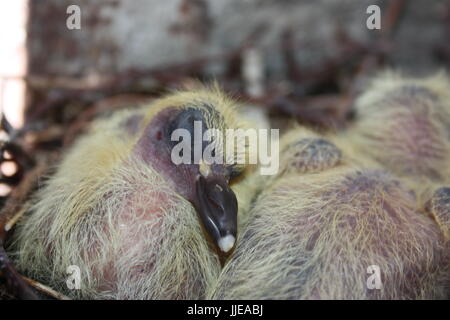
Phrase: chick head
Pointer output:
(183, 137)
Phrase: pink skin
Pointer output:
(210, 195)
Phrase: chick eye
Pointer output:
(235, 173)
(186, 120)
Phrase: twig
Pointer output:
(392, 18)
(45, 289)
(15, 284)
(11, 222)
(18, 195)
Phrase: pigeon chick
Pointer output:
(404, 125)
(134, 223)
(329, 227)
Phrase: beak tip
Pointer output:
(226, 243)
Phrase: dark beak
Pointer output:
(217, 207)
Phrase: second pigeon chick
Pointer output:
(329, 227)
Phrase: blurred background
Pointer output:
(262, 50)
(289, 59)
